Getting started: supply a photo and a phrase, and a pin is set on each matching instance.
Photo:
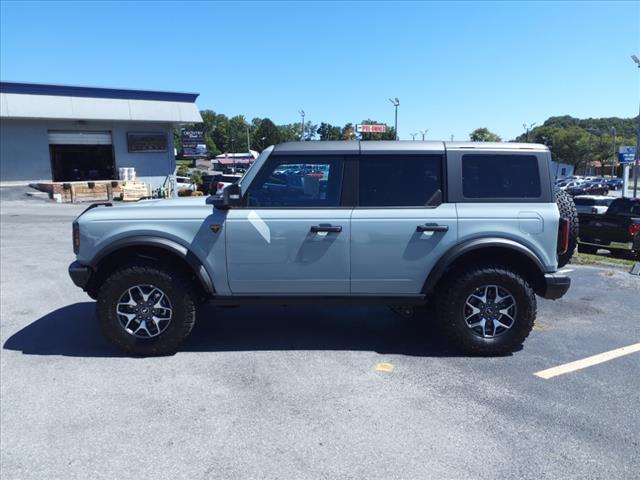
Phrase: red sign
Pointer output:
(365, 128)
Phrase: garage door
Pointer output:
(76, 137)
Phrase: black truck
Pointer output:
(618, 229)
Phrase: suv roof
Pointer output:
(354, 146)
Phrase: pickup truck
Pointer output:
(475, 229)
(616, 230)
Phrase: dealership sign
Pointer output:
(193, 144)
(367, 128)
(627, 154)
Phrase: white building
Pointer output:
(65, 133)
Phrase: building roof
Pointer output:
(66, 102)
(94, 92)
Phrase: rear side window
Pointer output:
(398, 180)
(500, 176)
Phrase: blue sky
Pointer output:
(454, 66)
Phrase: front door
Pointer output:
(400, 227)
(292, 237)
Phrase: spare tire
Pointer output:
(567, 210)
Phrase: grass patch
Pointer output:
(587, 259)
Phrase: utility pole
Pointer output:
(635, 165)
(424, 133)
(527, 128)
(395, 102)
(613, 163)
(248, 139)
(302, 114)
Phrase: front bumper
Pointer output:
(80, 274)
(555, 286)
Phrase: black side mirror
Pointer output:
(231, 197)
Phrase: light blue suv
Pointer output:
(472, 227)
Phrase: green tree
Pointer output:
(349, 132)
(484, 135)
(268, 132)
(326, 131)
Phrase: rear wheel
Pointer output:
(567, 210)
(146, 309)
(486, 310)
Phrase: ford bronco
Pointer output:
(474, 229)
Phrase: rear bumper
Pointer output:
(80, 274)
(555, 286)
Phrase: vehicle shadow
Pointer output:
(73, 331)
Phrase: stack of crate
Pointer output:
(132, 191)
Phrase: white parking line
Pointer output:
(587, 362)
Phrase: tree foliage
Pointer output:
(484, 135)
(580, 142)
(571, 140)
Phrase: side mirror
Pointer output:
(231, 197)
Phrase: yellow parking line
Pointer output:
(587, 362)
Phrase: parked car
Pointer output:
(570, 184)
(615, 183)
(184, 183)
(618, 229)
(223, 181)
(475, 230)
(589, 188)
(592, 203)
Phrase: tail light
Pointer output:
(634, 229)
(219, 185)
(76, 238)
(563, 236)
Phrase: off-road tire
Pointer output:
(582, 248)
(177, 286)
(453, 292)
(567, 210)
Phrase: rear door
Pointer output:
(293, 235)
(401, 226)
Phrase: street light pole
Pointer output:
(613, 163)
(527, 128)
(424, 133)
(395, 102)
(302, 114)
(413, 136)
(635, 165)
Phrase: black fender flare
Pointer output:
(166, 244)
(457, 251)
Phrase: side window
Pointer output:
(398, 180)
(500, 176)
(307, 181)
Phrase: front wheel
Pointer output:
(486, 310)
(146, 308)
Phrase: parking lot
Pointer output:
(295, 392)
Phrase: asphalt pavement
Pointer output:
(299, 392)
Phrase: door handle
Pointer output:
(432, 227)
(326, 228)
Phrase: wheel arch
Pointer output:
(486, 250)
(158, 248)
